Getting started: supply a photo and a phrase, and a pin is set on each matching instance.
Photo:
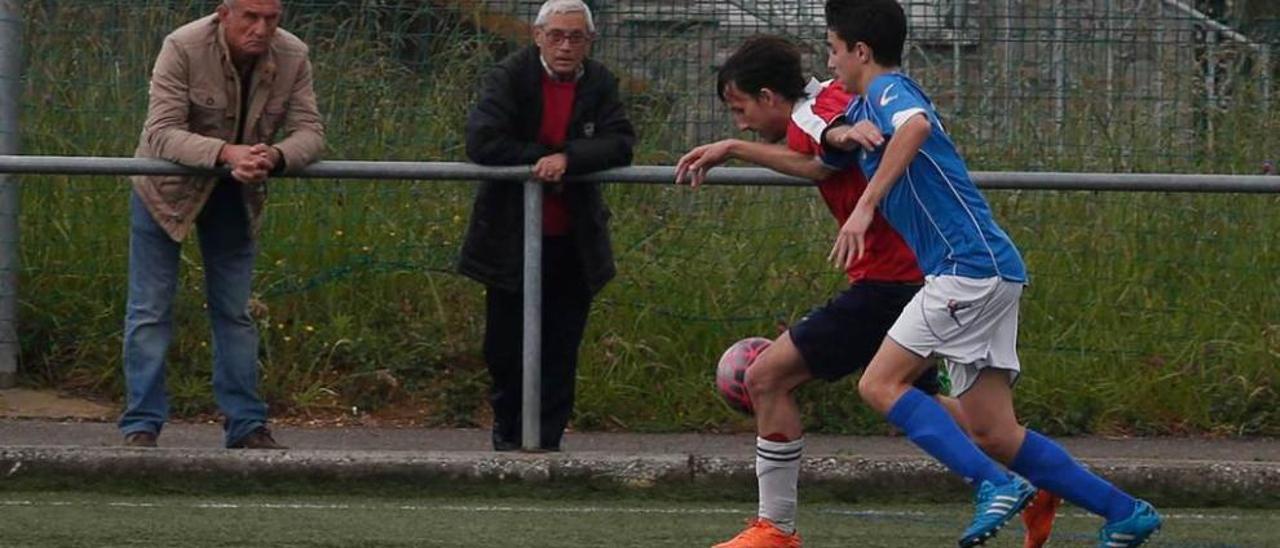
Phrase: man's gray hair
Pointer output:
(232, 3)
(557, 7)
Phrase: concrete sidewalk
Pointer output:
(1168, 470)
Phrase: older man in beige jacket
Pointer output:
(222, 89)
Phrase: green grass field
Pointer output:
(74, 520)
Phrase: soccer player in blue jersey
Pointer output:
(967, 312)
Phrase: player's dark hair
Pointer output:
(764, 61)
(880, 24)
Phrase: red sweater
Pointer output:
(557, 108)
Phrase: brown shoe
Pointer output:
(257, 439)
(140, 439)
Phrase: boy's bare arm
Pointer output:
(696, 163)
(850, 244)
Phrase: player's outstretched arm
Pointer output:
(695, 164)
(851, 241)
(783, 160)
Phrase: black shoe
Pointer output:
(140, 439)
(551, 438)
(500, 444)
(260, 438)
(505, 445)
(504, 438)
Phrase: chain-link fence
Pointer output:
(1151, 85)
(1147, 311)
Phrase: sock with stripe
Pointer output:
(1048, 466)
(777, 473)
(929, 426)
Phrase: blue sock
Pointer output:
(1047, 466)
(929, 426)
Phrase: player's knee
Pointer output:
(763, 381)
(992, 439)
(875, 392)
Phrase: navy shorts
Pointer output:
(840, 337)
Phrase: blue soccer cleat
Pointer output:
(1133, 530)
(994, 507)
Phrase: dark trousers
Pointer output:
(565, 304)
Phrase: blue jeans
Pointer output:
(229, 251)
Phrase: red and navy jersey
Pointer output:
(888, 259)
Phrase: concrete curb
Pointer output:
(1241, 484)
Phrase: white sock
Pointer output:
(778, 472)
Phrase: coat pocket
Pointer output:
(176, 190)
(208, 114)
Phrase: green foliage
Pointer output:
(1148, 313)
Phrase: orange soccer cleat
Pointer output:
(762, 533)
(1038, 518)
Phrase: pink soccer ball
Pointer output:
(731, 372)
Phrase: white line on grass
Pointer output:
(549, 509)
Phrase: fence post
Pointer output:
(1210, 87)
(1160, 104)
(10, 92)
(531, 414)
(1265, 61)
(958, 23)
(1060, 72)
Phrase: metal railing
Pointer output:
(728, 176)
(452, 171)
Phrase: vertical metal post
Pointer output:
(1060, 71)
(957, 34)
(531, 413)
(1264, 59)
(10, 92)
(1109, 8)
(1011, 81)
(1159, 68)
(1210, 87)
(906, 44)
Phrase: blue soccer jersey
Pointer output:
(935, 206)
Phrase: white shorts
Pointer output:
(971, 323)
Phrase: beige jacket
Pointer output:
(195, 109)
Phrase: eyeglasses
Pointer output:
(557, 37)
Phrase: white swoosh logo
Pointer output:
(885, 99)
